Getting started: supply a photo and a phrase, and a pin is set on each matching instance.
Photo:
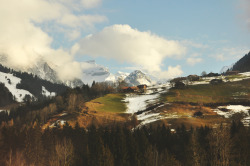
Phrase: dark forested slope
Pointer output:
(243, 65)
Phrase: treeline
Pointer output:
(5, 96)
(42, 110)
(118, 145)
(34, 84)
(243, 64)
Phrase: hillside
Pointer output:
(24, 86)
(243, 65)
(5, 96)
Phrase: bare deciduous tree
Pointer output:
(16, 159)
(63, 153)
(220, 145)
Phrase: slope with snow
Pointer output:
(46, 93)
(232, 109)
(140, 102)
(10, 82)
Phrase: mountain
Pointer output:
(243, 65)
(94, 72)
(137, 77)
(120, 76)
(90, 72)
(45, 71)
(24, 86)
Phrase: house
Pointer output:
(142, 87)
(130, 89)
(232, 72)
(212, 75)
(193, 78)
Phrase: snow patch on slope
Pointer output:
(46, 93)
(232, 109)
(10, 82)
(137, 103)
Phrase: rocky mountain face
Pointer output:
(44, 71)
(98, 73)
(94, 72)
(121, 76)
(90, 72)
(137, 77)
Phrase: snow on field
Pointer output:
(137, 103)
(232, 109)
(10, 82)
(206, 80)
(140, 102)
(46, 93)
(148, 118)
(245, 74)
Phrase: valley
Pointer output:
(198, 104)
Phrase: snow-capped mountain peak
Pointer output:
(137, 77)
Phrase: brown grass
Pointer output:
(185, 116)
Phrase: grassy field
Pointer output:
(202, 94)
(109, 103)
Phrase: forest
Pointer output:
(119, 145)
(243, 64)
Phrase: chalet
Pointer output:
(130, 89)
(212, 75)
(193, 78)
(142, 87)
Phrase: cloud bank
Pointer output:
(245, 4)
(142, 49)
(23, 43)
(232, 53)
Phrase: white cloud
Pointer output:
(233, 53)
(190, 43)
(245, 5)
(91, 3)
(125, 44)
(23, 42)
(193, 61)
(172, 72)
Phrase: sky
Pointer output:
(164, 38)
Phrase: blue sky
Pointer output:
(165, 38)
(217, 25)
